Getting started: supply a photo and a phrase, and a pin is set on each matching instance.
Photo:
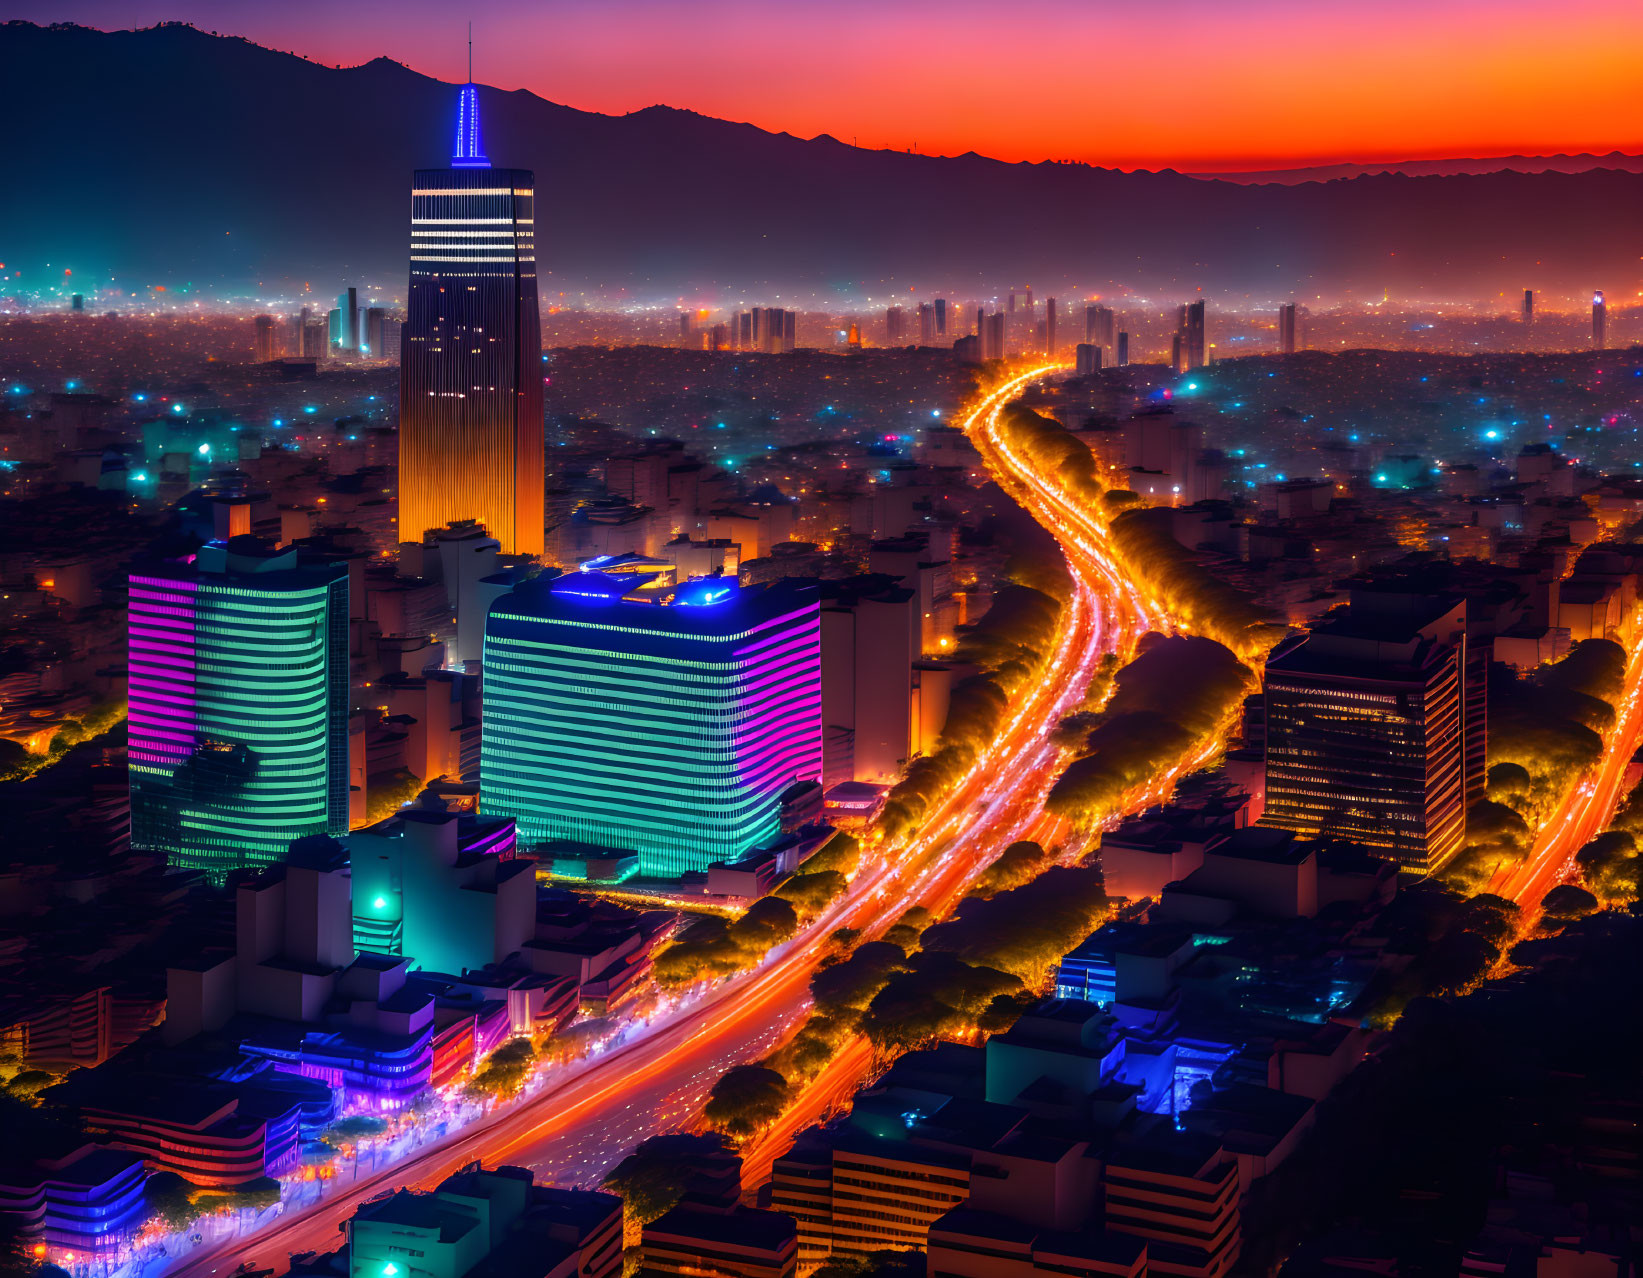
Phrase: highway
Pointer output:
(578, 1120)
(1585, 810)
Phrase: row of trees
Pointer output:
(1610, 865)
(1545, 729)
(1166, 701)
(1196, 598)
(1054, 451)
(714, 946)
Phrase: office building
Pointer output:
(686, 330)
(941, 316)
(1087, 359)
(926, 324)
(239, 704)
(1189, 349)
(1050, 346)
(1528, 307)
(1122, 357)
(470, 419)
(992, 336)
(1286, 328)
(1600, 322)
(698, 1238)
(670, 730)
(1366, 733)
(267, 343)
(348, 307)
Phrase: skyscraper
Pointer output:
(470, 398)
(893, 318)
(239, 704)
(671, 730)
(941, 317)
(1049, 327)
(1528, 307)
(1098, 325)
(1286, 328)
(1122, 358)
(1600, 321)
(267, 339)
(1189, 327)
(926, 324)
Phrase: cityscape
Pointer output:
(615, 671)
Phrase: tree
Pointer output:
(505, 1072)
(1568, 902)
(1015, 865)
(349, 1131)
(653, 1178)
(810, 894)
(767, 922)
(746, 1099)
(851, 985)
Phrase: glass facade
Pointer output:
(239, 707)
(671, 730)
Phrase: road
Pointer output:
(580, 1119)
(1585, 810)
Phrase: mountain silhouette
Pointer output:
(173, 155)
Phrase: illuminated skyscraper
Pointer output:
(470, 397)
(1367, 723)
(1600, 321)
(1190, 347)
(671, 730)
(239, 704)
(1528, 307)
(1286, 328)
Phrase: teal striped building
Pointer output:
(239, 705)
(667, 729)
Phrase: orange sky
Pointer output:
(1184, 83)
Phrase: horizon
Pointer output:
(1487, 114)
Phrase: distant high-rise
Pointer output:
(374, 337)
(470, 416)
(686, 332)
(1286, 328)
(348, 304)
(267, 339)
(993, 337)
(1098, 325)
(1123, 348)
(1189, 329)
(1050, 346)
(941, 317)
(1087, 359)
(1528, 307)
(1600, 321)
(77, 303)
(894, 319)
(239, 704)
(926, 324)
(981, 319)
(670, 730)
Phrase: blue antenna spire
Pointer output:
(470, 151)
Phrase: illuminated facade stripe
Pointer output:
(668, 739)
(239, 712)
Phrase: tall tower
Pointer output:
(1528, 307)
(1600, 321)
(1286, 328)
(470, 379)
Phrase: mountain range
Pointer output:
(176, 156)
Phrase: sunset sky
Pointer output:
(1192, 84)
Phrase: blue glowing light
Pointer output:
(140, 397)
(279, 422)
(1380, 479)
(1491, 434)
(470, 152)
(72, 385)
(177, 408)
(935, 412)
(141, 477)
(309, 408)
(704, 591)
(1192, 385)
(205, 448)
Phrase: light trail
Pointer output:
(1586, 808)
(578, 1120)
